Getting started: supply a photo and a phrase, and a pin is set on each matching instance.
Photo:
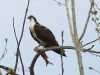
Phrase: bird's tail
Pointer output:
(60, 51)
(45, 57)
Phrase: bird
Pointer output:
(43, 36)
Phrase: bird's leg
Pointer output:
(38, 49)
(44, 56)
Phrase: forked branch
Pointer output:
(86, 24)
(17, 53)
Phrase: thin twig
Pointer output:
(86, 24)
(97, 6)
(70, 47)
(89, 49)
(59, 3)
(95, 55)
(91, 68)
(62, 35)
(4, 67)
(69, 19)
(18, 50)
(15, 30)
(5, 51)
(91, 42)
(21, 36)
(8, 69)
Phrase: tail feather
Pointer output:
(58, 51)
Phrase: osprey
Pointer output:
(43, 35)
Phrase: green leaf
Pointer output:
(98, 30)
(95, 12)
(99, 23)
(91, 11)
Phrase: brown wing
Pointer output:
(45, 35)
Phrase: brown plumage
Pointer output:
(43, 36)
(47, 36)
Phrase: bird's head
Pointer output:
(32, 18)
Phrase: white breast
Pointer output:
(32, 23)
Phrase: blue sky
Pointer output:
(53, 16)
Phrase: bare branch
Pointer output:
(89, 49)
(59, 3)
(69, 19)
(96, 55)
(76, 40)
(62, 35)
(5, 50)
(21, 36)
(91, 42)
(69, 47)
(18, 50)
(86, 24)
(54, 48)
(15, 30)
(97, 6)
(91, 68)
(33, 63)
(4, 67)
(9, 70)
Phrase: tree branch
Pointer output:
(91, 42)
(59, 3)
(33, 63)
(18, 50)
(9, 70)
(5, 50)
(55, 48)
(86, 24)
(76, 40)
(4, 67)
(69, 19)
(21, 36)
(91, 68)
(62, 67)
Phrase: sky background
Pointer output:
(53, 16)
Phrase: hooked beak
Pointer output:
(28, 17)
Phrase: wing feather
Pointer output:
(45, 35)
